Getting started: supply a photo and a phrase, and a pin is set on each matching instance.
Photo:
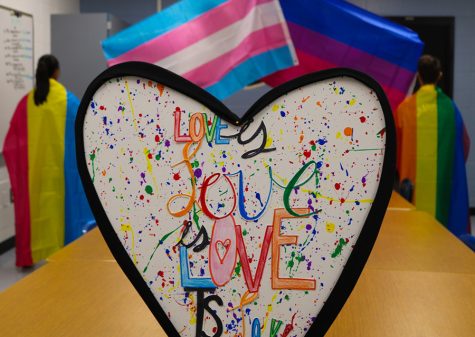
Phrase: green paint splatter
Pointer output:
(149, 189)
(244, 232)
(237, 270)
(92, 156)
(196, 218)
(339, 248)
(160, 242)
(291, 263)
(158, 156)
(287, 297)
(195, 164)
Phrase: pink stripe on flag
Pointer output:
(395, 97)
(309, 63)
(343, 55)
(256, 43)
(183, 36)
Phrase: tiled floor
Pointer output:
(9, 274)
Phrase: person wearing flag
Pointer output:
(50, 205)
(433, 146)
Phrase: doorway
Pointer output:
(437, 33)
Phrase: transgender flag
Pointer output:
(220, 45)
(334, 33)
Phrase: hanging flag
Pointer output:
(219, 45)
(51, 209)
(334, 33)
(432, 147)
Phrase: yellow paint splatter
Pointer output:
(352, 101)
(330, 227)
(149, 168)
(127, 228)
(275, 107)
(268, 142)
(338, 135)
(131, 105)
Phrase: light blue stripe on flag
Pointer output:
(78, 215)
(251, 70)
(156, 25)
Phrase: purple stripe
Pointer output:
(323, 47)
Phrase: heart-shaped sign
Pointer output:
(252, 226)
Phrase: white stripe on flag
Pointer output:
(221, 42)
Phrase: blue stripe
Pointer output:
(156, 25)
(252, 70)
(459, 209)
(78, 215)
(357, 28)
(186, 281)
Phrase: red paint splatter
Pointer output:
(102, 107)
(177, 109)
(160, 273)
(141, 197)
(176, 176)
(362, 119)
(337, 186)
(289, 327)
(157, 138)
(312, 142)
(342, 200)
(149, 156)
(307, 153)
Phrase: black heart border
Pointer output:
(363, 246)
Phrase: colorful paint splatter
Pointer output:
(262, 218)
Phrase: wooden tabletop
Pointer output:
(419, 281)
(398, 203)
(91, 246)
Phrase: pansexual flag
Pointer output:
(219, 45)
(50, 205)
(334, 33)
(432, 147)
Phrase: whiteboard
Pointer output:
(16, 62)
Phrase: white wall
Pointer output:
(464, 55)
(41, 11)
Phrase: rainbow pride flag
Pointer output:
(333, 33)
(51, 209)
(432, 147)
(219, 45)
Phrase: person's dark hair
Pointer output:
(429, 69)
(47, 65)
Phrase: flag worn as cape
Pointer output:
(333, 33)
(431, 146)
(219, 45)
(50, 205)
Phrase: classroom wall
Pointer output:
(131, 11)
(464, 55)
(41, 11)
